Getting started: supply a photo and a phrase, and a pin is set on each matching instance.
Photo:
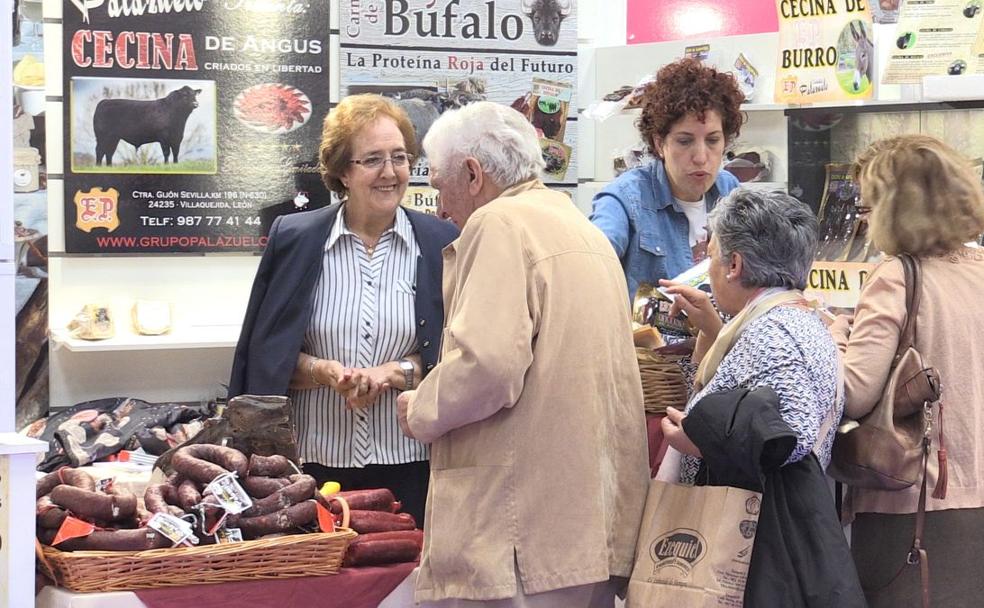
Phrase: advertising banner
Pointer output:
(189, 125)
(934, 37)
(826, 51)
(435, 55)
(837, 285)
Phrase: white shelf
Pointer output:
(202, 336)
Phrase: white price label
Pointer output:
(231, 496)
(228, 535)
(174, 528)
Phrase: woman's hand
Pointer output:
(672, 426)
(696, 304)
(366, 384)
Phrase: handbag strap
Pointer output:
(913, 292)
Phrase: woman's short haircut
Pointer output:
(687, 87)
(500, 138)
(925, 197)
(344, 122)
(775, 234)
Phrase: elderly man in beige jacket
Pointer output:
(534, 412)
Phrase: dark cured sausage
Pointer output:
(140, 539)
(378, 499)
(94, 505)
(261, 487)
(162, 498)
(377, 552)
(65, 475)
(188, 495)
(301, 488)
(49, 514)
(365, 522)
(204, 462)
(284, 520)
(270, 466)
(416, 536)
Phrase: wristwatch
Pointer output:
(408, 370)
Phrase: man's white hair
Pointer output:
(500, 138)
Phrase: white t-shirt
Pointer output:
(697, 216)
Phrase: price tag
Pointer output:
(105, 485)
(225, 536)
(231, 496)
(173, 528)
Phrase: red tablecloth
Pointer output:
(351, 587)
(657, 447)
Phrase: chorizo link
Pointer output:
(377, 552)
(284, 520)
(365, 522)
(204, 462)
(94, 505)
(378, 499)
(65, 475)
(260, 487)
(301, 488)
(140, 539)
(270, 466)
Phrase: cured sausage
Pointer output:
(416, 536)
(378, 499)
(94, 505)
(65, 475)
(270, 466)
(284, 520)
(49, 514)
(140, 539)
(261, 487)
(383, 551)
(162, 498)
(204, 462)
(301, 488)
(365, 522)
(188, 495)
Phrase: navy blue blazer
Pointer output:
(280, 302)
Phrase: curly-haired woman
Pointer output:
(924, 199)
(656, 216)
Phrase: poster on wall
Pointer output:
(934, 37)
(826, 51)
(435, 55)
(189, 126)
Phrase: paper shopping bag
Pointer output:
(694, 547)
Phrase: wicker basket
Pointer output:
(663, 383)
(313, 554)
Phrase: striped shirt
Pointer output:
(362, 316)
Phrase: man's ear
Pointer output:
(736, 265)
(476, 178)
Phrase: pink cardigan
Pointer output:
(950, 336)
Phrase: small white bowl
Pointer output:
(32, 99)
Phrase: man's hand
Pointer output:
(402, 409)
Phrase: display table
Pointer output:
(369, 587)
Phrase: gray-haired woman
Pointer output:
(761, 250)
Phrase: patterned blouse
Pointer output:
(789, 349)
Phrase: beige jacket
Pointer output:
(950, 336)
(535, 410)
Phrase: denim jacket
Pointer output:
(648, 229)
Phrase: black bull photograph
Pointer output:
(143, 126)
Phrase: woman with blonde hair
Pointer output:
(925, 200)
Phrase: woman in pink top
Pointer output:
(926, 200)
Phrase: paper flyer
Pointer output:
(935, 38)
